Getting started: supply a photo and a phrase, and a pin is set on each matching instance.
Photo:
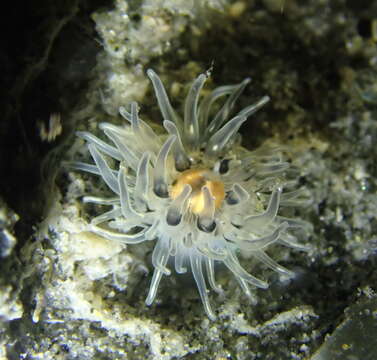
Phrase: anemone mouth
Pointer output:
(197, 179)
(199, 204)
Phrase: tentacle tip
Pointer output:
(212, 317)
(307, 248)
(182, 270)
(288, 273)
(250, 297)
(263, 285)
(219, 291)
(283, 226)
(167, 124)
(151, 73)
(102, 125)
(148, 301)
(210, 313)
(90, 227)
(265, 99)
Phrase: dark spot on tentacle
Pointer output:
(206, 228)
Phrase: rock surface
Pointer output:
(67, 294)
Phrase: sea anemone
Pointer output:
(195, 191)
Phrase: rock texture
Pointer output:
(67, 294)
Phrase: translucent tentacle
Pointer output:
(268, 169)
(166, 109)
(290, 241)
(173, 247)
(160, 185)
(109, 215)
(188, 240)
(251, 109)
(115, 236)
(127, 210)
(125, 114)
(206, 217)
(210, 252)
(182, 162)
(179, 260)
(206, 104)
(259, 221)
(234, 266)
(151, 233)
(264, 158)
(197, 271)
(294, 194)
(296, 203)
(296, 223)
(100, 200)
(135, 124)
(234, 127)
(237, 195)
(142, 183)
(191, 124)
(272, 264)
(160, 256)
(128, 155)
(105, 148)
(92, 169)
(218, 140)
(143, 131)
(210, 268)
(157, 275)
(104, 169)
(245, 287)
(223, 114)
(176, 208)
(262, 242)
